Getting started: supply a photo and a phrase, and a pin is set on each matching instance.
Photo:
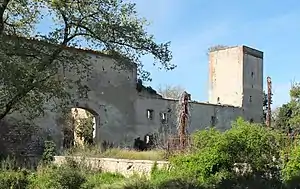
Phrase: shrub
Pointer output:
(253, 144)
(215, 153)
(206, 138)
(57, 178)
(14, 179)
(291, 166)
(45, 177)
(49, 152)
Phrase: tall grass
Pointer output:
(118, 153)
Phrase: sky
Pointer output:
(193, 26)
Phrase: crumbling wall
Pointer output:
(203, 115)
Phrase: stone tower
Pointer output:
(236, 78)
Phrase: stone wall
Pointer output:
(203, 115)
(125, 167)
(121, 111)
(129, 167)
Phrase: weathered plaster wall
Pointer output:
(111, 99)
(125, 167)
(236, 78)
(253, 84)
(226, 76)
(203, 115)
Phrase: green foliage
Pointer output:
(49, 152)
(57, 178)
(291, 163)
(10, 179)
(289, 114)
(98, 179)
(85, 128)
(215, 153)
(206, 138)
(210, 163)
(253, 144)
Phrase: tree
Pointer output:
(284, 116)
(288, 118)
(169, 91)
(295, 105)
(29, 70)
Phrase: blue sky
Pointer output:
(194, 25)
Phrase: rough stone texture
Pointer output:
(125, 167)
(120, 110)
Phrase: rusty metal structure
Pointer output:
(183, 119)
(269, 97)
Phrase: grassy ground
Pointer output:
(154, 155)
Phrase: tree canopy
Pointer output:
(288, 118)
(29, 71)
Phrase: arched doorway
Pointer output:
(80, 127)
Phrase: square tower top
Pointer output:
(245, 50)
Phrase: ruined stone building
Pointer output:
(124, 110)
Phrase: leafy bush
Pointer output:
(206, 138)
(57, 178)
(253, 144)
(291, 166)
(49, 152)
(13, 179)
(215, 153)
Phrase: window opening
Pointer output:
(150, 114)
(213, 120)
(163, 118)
